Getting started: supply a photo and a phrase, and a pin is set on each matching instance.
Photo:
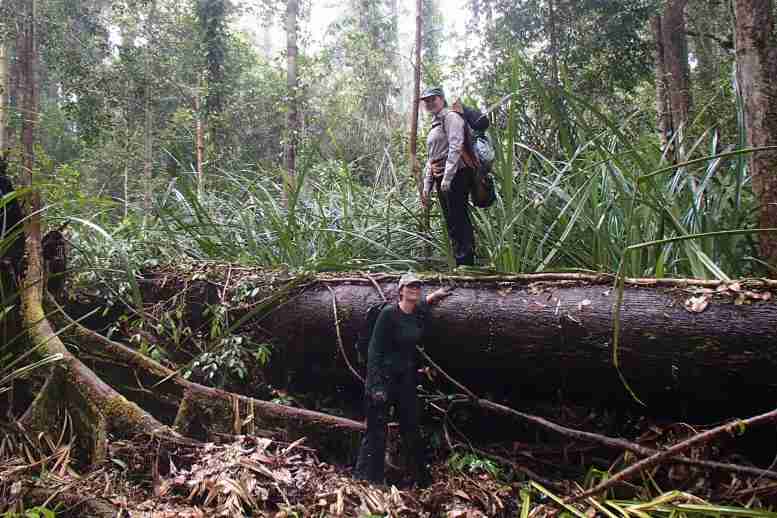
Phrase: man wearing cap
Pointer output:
(391, 380)
(445, 168)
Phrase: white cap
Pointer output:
(407, 279)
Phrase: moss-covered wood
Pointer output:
(204, 412)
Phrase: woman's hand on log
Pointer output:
(438, 295)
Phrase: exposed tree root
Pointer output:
(204, 411)
(97, 408)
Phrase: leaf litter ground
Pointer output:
(254, 476)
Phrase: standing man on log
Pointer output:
(391, 380)
(445, 168)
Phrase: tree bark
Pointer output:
(199, 136)
(3, 96)
(28, 72)
(148, 138)
(416, 93)
(756, 56)
(292, 117)
(542, 333)
(663, 110)
(675, 63)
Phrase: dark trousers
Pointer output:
(455, 208)
(400, 390)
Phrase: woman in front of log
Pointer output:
(391, 380)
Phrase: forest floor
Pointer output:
(255, 476)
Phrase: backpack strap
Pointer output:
(469, 158)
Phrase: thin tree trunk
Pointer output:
(414, 109)
(199, 136)
(267, 46)
(416, 101)
(292, 121)
(30, 105)
(553, 38)
(662, 105)
(148, 116)
(676, 69)
(3, 96)
(756, 56)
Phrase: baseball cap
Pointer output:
(431, 92)
(408, 279)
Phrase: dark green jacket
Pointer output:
(393, 343)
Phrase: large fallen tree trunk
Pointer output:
(702, 340)
(220, 412)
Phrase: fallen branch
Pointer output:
(669, 454)
(609, 442)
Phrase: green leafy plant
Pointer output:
(472, 463)
(33, 512)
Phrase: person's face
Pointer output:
(433, 104)
(411, 294)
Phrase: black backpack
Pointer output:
(475, 118)
(363, 338)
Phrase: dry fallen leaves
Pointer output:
(697, 304)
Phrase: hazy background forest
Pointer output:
(165, 131)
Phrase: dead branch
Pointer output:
(669, 454)
(609, 442)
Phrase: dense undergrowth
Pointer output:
(607, 186)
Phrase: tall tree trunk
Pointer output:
(292, 120)
(414, 163)
(28, 68)
(756, 56)
(148, 116)
(553, 39)
(662, 103)
(211, 17)
(416, 93)
(267, 46)
(3, 96)
(676, 69)
(199, 136)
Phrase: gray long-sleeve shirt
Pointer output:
(445, 139)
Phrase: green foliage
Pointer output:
(334, 223)
(613, 188)
(473, 463)
(225, 356)
(33, 512)
(16, 360)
